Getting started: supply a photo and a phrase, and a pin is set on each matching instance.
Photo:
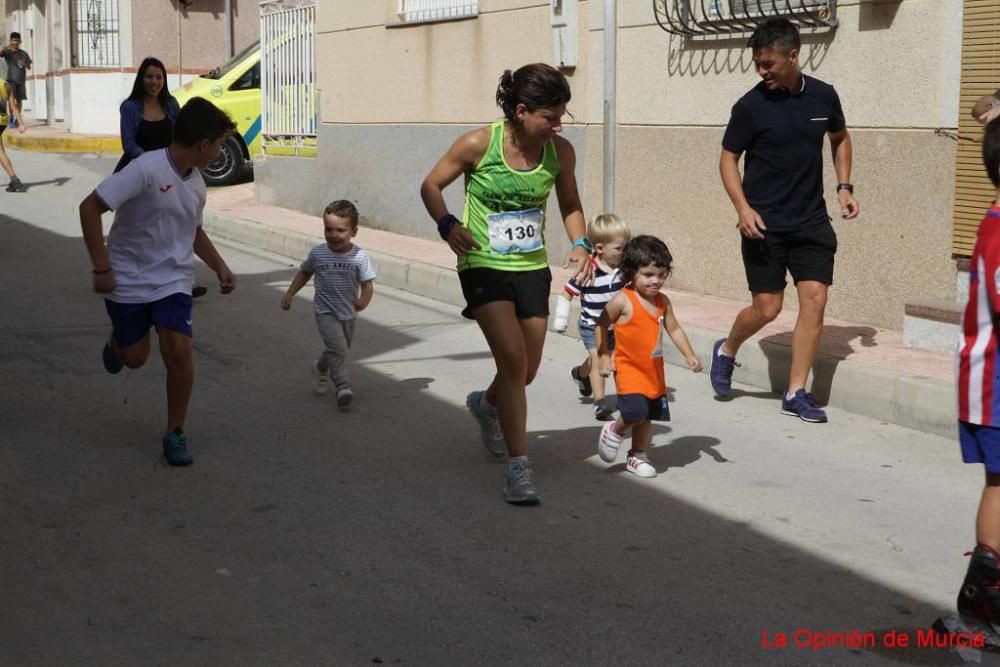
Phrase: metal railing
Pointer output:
(94, 25)
(288, 72)
(426, 11)
(695, 18)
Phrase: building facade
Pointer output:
(86, 52)
(395, 89)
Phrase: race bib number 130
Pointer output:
(515, 231)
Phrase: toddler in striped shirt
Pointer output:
(344, 285)
(608, 233)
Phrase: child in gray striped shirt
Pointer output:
(344, 286)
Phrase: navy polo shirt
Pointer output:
(781, 134)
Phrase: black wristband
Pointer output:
(445, 223)
(845, 186)
(97, 273)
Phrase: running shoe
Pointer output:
(489, 424)
(321, 380)
(112, 363)
(175, 448)
(803, 406)
(602, 411)
(608, 443)
(639, 467)
(721, 373)
(344, 397)
(979, 598)
(519, 487)
(582, 381)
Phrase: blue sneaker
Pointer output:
(489, 424)
(519, 486)
(175, 448)
(112, 363)
(803, 406)
(721, 373)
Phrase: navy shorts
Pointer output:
(131, 321)
(980, 444)
(588, 336)
(636, 408)
(806, 253)
(527, 290)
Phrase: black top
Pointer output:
(150, 136)
(782, 136)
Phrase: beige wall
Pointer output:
(895, 63)
(201, 44)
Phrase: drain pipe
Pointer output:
(229, 29)
(610, 62)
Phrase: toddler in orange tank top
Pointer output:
(640, 314)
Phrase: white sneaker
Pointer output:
(322, 380)
(608, 443)
(639, 467)
(344, 397)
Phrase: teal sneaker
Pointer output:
(112, 363)
(175, 448)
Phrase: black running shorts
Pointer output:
(527, 290)
(806, 253)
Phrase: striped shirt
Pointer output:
(594, 297)
(337, 277)
(978, 384)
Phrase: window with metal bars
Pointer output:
(426, 11)
(94, 25)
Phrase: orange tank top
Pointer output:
(639, 349)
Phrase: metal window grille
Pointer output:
(693, 18)
(95, 33)
(425, 11)
(288, 71)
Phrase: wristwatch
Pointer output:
(845, 186)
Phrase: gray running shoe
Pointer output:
(489, 424)
(519, 488)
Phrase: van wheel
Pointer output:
(228, 166)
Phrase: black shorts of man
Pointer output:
(779, 127)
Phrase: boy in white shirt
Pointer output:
(146, 270)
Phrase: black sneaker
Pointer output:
(16, 185)
(979, 598)
(582, 382)
(112, 363)
(603, 411)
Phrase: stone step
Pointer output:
(932, 324)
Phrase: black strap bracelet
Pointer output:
(97, 273)
(445, 223)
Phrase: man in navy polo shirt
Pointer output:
(779, 125)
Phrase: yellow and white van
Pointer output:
(234, 88)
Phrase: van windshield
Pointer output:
(220, 72)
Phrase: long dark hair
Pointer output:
(536, 86)
(139, 89)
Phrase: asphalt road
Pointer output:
(305, 535)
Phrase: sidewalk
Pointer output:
(860, 369)
(47, 138)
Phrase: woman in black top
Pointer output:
(147, 116)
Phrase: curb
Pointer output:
(63, 144)
(917, 402)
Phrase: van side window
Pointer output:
(249, 80)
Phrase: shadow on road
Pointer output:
(307, 535)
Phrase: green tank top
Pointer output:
(505, 209)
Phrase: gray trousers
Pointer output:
(337, 336)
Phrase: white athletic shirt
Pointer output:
(157, 213)
(336, 279)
